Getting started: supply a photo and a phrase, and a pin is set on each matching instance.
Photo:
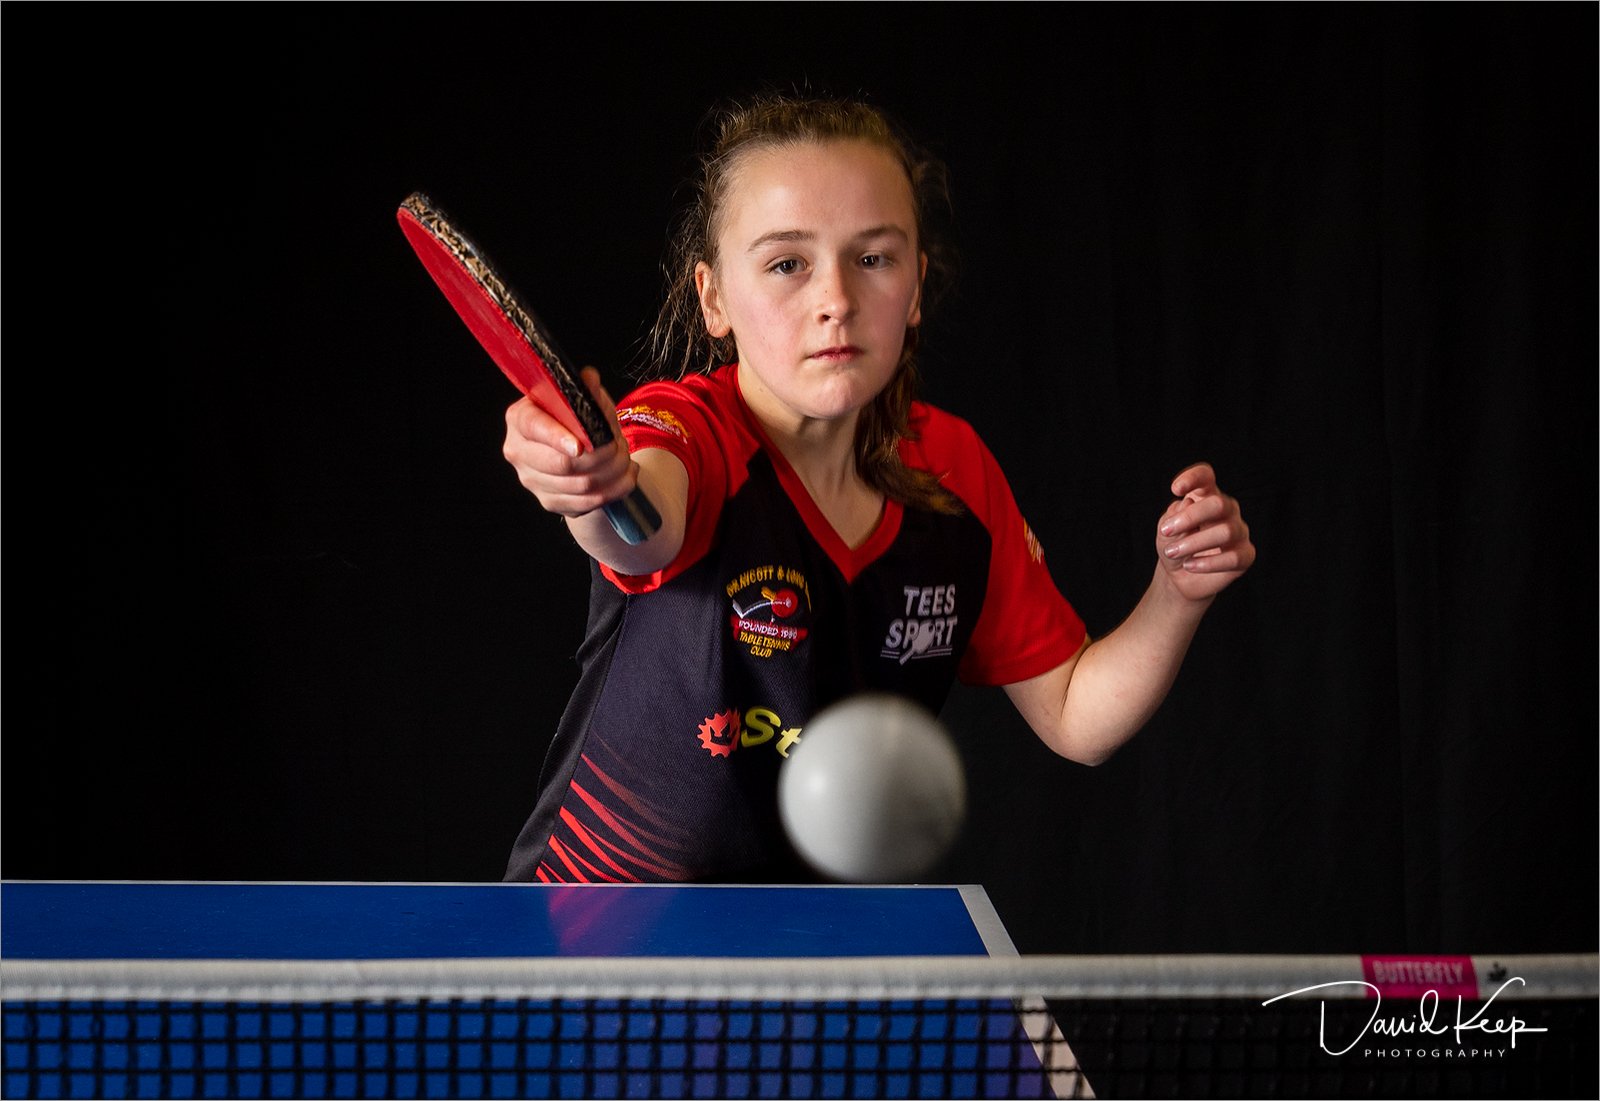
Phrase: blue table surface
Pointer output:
(60, 920)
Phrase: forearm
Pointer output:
(1121, 679)
(1087, 708)
(664, 482)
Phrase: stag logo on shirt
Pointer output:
(928, 629)
(770, 608)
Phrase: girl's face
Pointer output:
(818, 277)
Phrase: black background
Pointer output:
(279, 610)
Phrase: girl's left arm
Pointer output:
(1091, 704)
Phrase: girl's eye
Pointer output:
(874, 260)
(786, 267)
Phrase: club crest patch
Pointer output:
(769, 610)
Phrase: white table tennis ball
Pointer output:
(874, 791)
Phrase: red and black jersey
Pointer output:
(696, 682)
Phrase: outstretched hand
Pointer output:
(1202, 540)
(567, 478)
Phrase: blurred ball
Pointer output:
(873, 792)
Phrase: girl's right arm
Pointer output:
(574, 482)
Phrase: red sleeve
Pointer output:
(1026, 626)
(677, 417)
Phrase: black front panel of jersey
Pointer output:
(715, 675)
(801, 635)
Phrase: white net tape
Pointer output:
(836, 979)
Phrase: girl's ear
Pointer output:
(705, 285)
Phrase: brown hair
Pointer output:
(679, 343)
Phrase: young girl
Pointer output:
(823, 533)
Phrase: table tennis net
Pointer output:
(1034, 1026)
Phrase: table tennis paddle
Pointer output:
(519, 343)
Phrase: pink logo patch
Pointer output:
(1414, 976)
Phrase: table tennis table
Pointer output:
(510, 990)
